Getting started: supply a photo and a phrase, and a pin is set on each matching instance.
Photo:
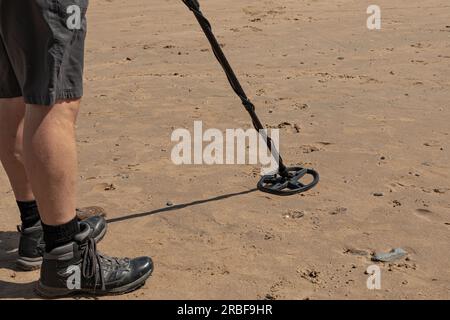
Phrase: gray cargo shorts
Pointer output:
(42, 49)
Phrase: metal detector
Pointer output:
(288, 179)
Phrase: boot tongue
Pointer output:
(84, 233)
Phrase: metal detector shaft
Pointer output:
(194, 6)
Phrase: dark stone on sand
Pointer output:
(356, 252)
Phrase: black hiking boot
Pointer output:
(77, 268)
(32, 246)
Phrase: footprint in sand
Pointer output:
(103, 187)
(310, 148)
(426, 214)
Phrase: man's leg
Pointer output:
(45, 76)
(51, 159)
(49, 156)
(51, 163)
(12, 113)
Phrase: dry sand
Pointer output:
(373, 111)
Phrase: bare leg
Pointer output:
(12, 113)
(51, 159)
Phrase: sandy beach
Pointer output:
(368, 109)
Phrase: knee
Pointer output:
(68, 109)
(64, 114)
(11, 102)
(11, 131)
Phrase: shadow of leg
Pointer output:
(9, 241)
(9, 290)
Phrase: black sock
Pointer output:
(56, 236)
(29, 213)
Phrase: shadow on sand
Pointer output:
(9, 241)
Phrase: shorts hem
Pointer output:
(10, 95)
(52, 100)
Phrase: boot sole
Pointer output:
(31, 264)
(54, 293)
